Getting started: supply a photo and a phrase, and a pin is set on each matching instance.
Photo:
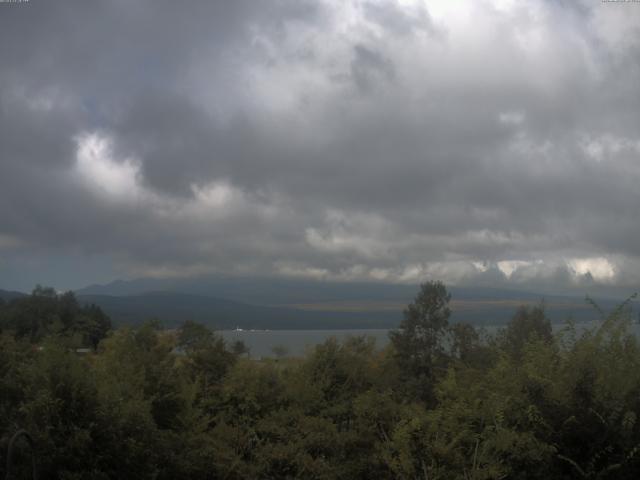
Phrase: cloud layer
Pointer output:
(479, 142)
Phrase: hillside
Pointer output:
(268, 303)
(8, 295)
(173, 308)
(285, 304)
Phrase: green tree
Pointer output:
(419, 340)
(206, 358)
(240, 348)
(527, 324)
(193, 336)
(46, 312)
(280, 351)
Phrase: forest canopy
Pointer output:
(441, 401)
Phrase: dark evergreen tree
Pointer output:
(419, 340)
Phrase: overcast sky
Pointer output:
(479, 142)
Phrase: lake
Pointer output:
(297, 342)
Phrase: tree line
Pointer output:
(441, 401)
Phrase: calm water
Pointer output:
(297, 342)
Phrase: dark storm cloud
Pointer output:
(479, 142)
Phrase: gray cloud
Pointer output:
(398, 19)
(490, 142)
(368, 66)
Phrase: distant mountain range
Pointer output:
(8, 295)
(173, 308)
(260, 302)
(267, 303)
(288, 291)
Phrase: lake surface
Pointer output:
(298, 342)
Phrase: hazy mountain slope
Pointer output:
(7, 295)
(258, 290)
(173, 308)
(284, 291)
(255, 302)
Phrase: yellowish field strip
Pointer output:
(375, 306)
